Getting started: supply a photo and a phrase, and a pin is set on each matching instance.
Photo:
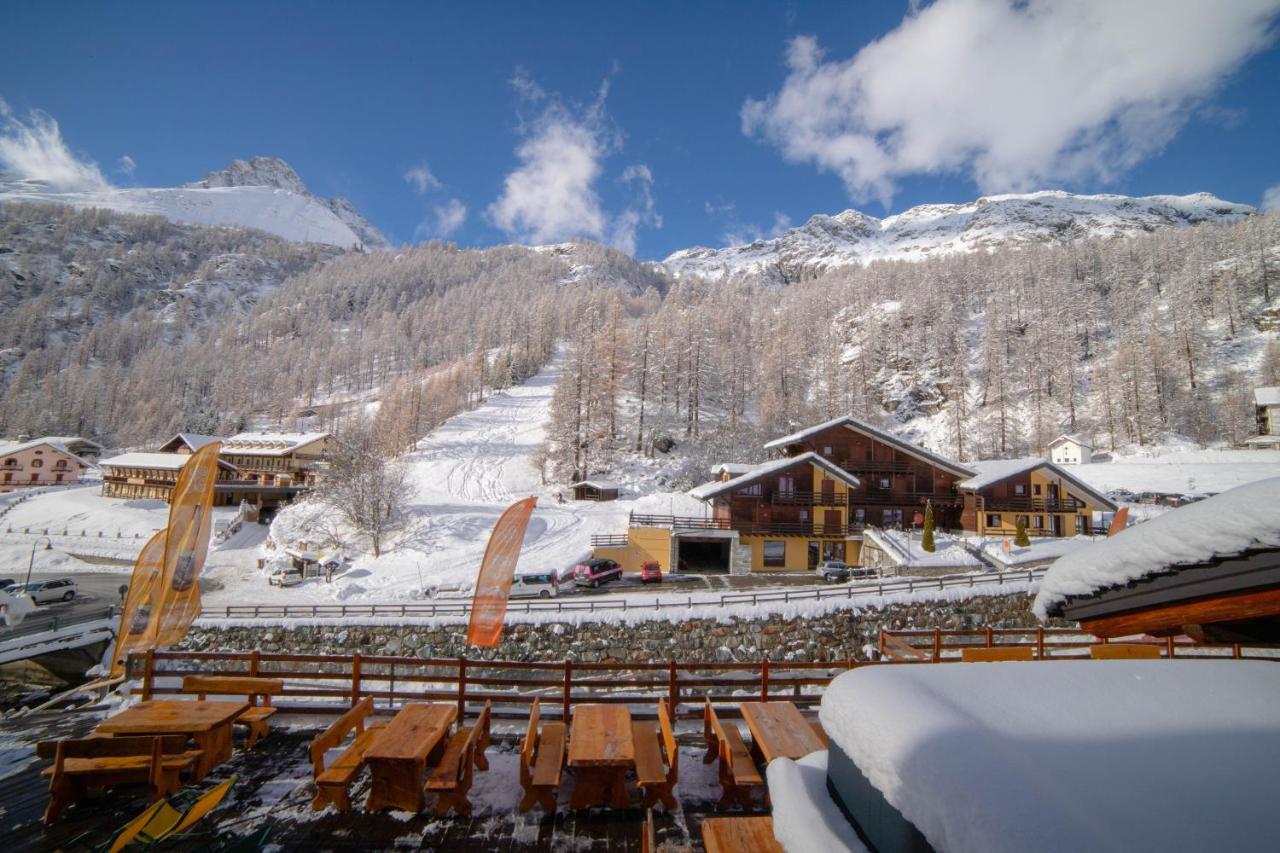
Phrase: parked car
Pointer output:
(864, 572)
(650, 572)
(43, 592)
(834, 571)
(541, 584)
(285, 576)
(5, 583)
(595, 572)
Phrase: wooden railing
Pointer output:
(815, 528)
(329, 684)
(609, 540)
(1025, 504)
(938, 646)
(807, 499)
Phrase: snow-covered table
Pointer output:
(1061, 755)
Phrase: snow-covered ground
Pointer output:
(1180, 471)
(909, 551)
(1039, 551)
(464, 475)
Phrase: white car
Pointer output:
(540, 584)
(44, 592)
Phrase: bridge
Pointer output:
(66, 645)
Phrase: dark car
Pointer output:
(834, 571)
(595, 572)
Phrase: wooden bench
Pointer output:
(234, 685)
(997, 653)
(1123, 651)
(451, 779)
(100, 762)
(334, 782)
(739, 835)
(541, 762)
(655, 779)
(739, 776)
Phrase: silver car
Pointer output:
(44, 592)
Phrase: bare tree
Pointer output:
(362, 485)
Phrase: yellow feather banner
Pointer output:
(140, 604)
(186, 544)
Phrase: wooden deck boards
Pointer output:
(275, 784)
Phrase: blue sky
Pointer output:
(625, 122)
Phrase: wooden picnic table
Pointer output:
(600, 753)
(398, 757)
(739, 835)
(208, 723)
(779, 730)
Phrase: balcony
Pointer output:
(807, 499)
(1027, 505)
(747, 527)
(883, 497)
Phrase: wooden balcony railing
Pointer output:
(817, 529)
(808, 499)
(1026, 504)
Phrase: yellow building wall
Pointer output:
(644, 544)
(1009, 518)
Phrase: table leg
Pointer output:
(600, 786)
(396, 784)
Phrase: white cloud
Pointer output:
(551, 195)
(449, 217)
(126, 166)
(1014, 95)
(1271, 199)
(421, 179)
(34, 150)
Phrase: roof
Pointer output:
(1268, 396)
(193, 440)
(734, 468)
(1065, 755)
(270, 443)
(878, 434)
(160, 461)
(596, 484)
(1233, 523)
(992, 471)
(10, 447)
(1074, 438)
(69, 440)
(709, 490)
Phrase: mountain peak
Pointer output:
(851, 237)
(255, 172)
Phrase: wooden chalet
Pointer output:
(187, 443)
(595, 490)
(152, 476)
(1048, 499)
(290, 461)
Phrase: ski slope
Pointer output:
(464, 475)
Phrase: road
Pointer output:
(97, 590)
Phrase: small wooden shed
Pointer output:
(595, 490)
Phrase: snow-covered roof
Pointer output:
(73, 440)
(1073, 438)
(270, 443)
(709, 490)
(193, 440)
(1268, 396)
(1246, 518)
(8, 448)
(992, 471)
(867, 429)
(735, 469)
(984, 757)
(158, 461)
(594, 483)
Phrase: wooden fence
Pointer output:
(328, 684)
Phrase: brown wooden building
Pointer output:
(278, 460)
(152, 476)
(1048, 499)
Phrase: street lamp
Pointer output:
(48, 545)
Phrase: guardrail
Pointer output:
(38, 624)
(610, 540)
(623, 603)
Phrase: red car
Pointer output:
(651, 572)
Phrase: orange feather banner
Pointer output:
(493, 585)
(1119, 522)
(141, 603)
(186, 545)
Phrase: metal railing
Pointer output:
(610, 540)
(620, 603)
(936, 645)
(40, 624)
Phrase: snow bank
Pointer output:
(1069, 756)
(908, 551)
(1239, 520)
(1040, 550)
(805, 818)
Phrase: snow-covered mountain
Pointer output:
(263, 193)
(827, 242)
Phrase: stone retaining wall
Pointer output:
(835, 636)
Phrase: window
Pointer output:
(1037, 521)
(37, 463)
(10, 462)
(775, 553)
(750, 491)
(891, 517)
(884, 482)
(1082, 524)
(860, 516)
(787, 485)
(1035, 490)
(804, 515)
(993, 520)
(1022, 519)
(826, 451)
(1019, 489)
(60, 464)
